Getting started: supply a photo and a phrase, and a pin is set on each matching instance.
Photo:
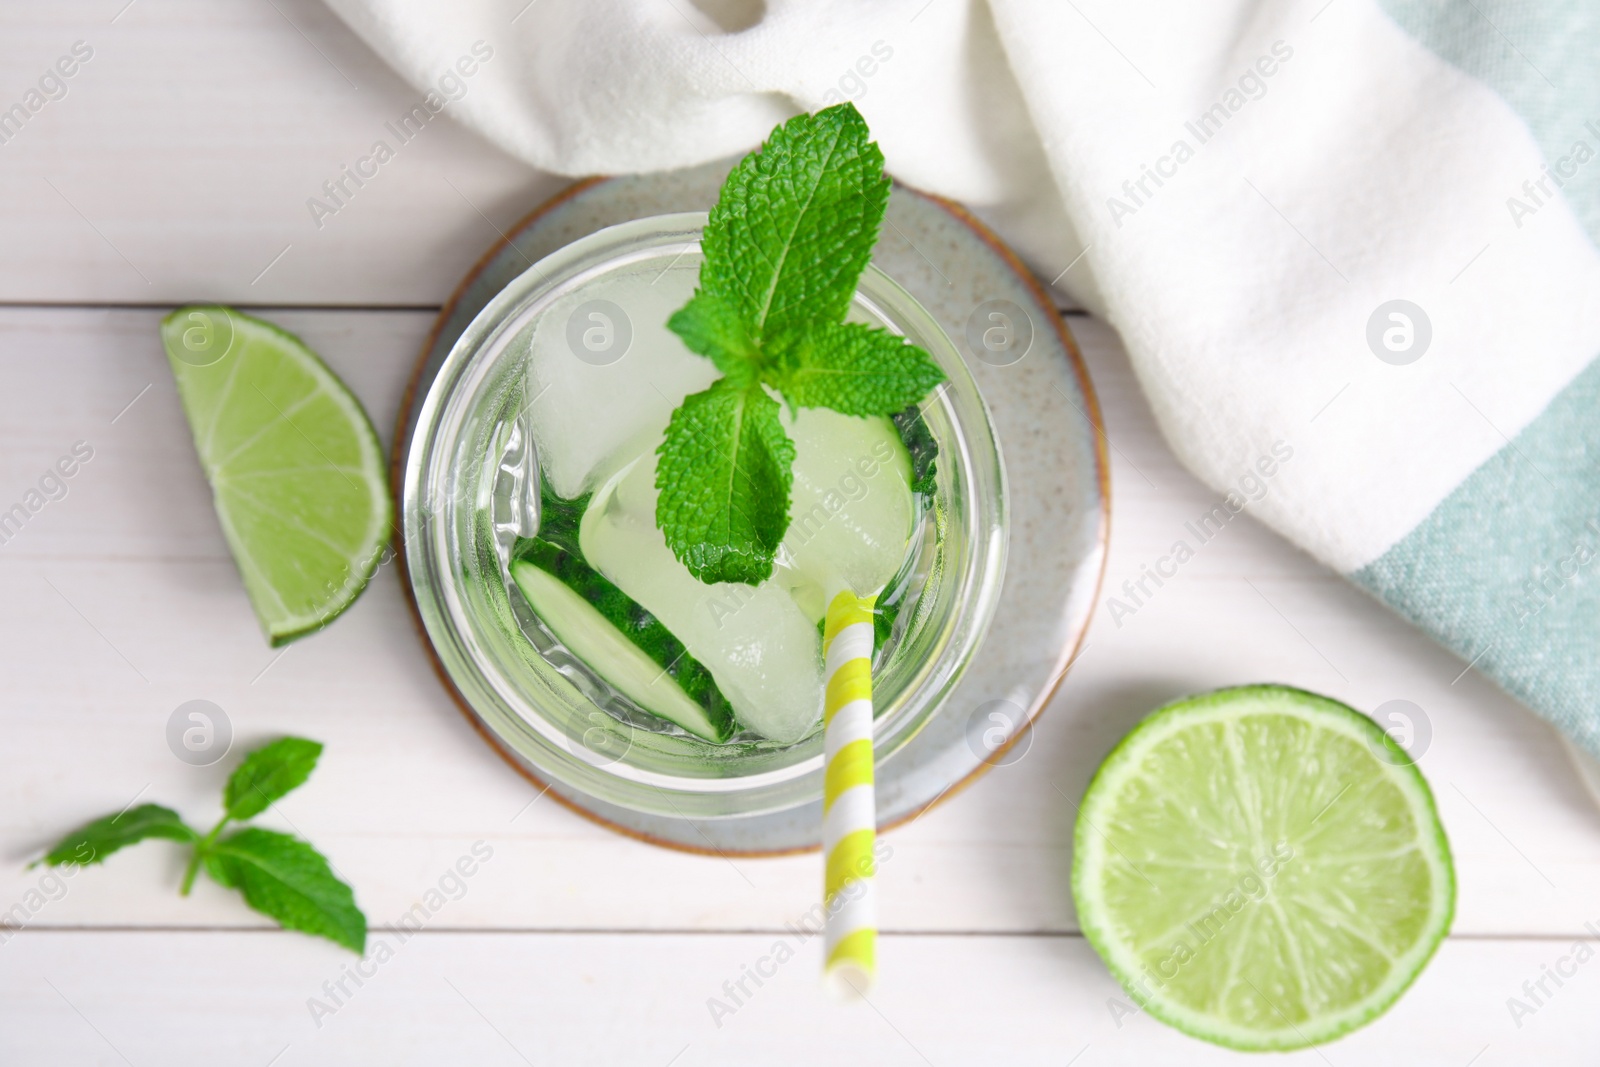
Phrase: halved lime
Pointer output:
(1262, 868)
(296, 470)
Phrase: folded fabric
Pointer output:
(1360, 233)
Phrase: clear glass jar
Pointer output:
(466, 483)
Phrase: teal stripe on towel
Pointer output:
(1506, 571)
(1543, 58)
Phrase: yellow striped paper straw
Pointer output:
(849, 811)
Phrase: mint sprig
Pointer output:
(280, 875)
(784, 248)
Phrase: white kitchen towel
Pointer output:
(1360, 232)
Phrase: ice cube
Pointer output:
(605, 374)
(851, 510)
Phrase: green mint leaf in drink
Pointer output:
(724, 475)
(267, 774)
(795, 224)
(856, 370)
(94, 841)
(784, 247)
(714, 327)
(286, 879)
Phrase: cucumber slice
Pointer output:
(922, 448)
(621, 641)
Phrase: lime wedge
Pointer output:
(296, 470)
(1262, 868)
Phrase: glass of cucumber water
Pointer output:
(559, 613)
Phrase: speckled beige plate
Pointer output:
(1047, 421)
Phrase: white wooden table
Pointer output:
(177, 168)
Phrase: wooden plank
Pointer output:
(207, 998)
(179, 164)
(122, 604)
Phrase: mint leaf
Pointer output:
(715, 328)
(855, 369)
(268, 773)
(795, 222)
(724, 475)
(94, 841)
(784, 247)
(286, 879)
